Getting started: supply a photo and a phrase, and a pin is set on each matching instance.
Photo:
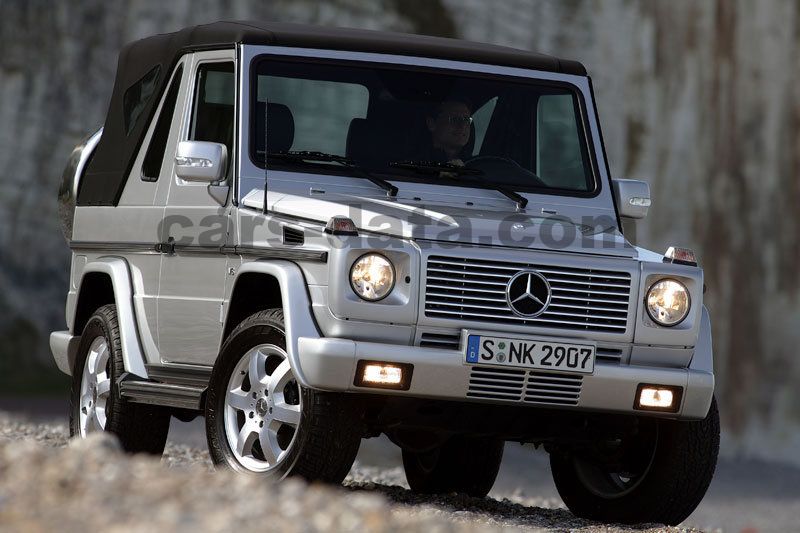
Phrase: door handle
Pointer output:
(167, 247)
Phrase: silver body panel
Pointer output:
(173, 303)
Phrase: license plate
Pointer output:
(530, 353)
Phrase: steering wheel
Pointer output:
(507, 167)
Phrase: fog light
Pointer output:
(386, 375)
(383, 375)
(658, 398)
(655, 398)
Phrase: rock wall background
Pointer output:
(702, 99)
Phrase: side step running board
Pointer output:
(166, 394)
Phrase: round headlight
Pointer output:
(372, 277)
(668, 302)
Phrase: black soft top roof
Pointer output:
(114, 155)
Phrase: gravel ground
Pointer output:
(49, 484)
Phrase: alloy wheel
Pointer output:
(95, 388)
(262, 408)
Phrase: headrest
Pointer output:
(371, 144)
(357, 137)
(280, 124)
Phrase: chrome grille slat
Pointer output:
(593, 315)
(598, 300)
(484, 274)
(536, 375)
(609, 355)
(482, 291)
(589, 291)
(556, 302)
(557, 281)
(581, 298)
(483, 299)
(504, 307)
(483, 263)
(493, 396)
(440, 340)
(516, 375)
(547, 395)
(621, 309)
(479, 385)
(476, 282)
(515, 318)
(601, 282)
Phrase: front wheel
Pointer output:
(658, 474)
(260, 420)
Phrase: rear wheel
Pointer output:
(659, 474)
(467, 465)
(260, 420)
(95, 404)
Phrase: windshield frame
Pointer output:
(531, 77)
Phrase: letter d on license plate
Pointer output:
(530, 353)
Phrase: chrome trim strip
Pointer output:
(283, 253)
(114, 247)
(196, 249)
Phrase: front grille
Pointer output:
(529, 386)
(582, 299)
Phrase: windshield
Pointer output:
(526, 135)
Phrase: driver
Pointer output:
(450, 126)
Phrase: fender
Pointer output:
(703, 358)
(700, 384)
(298, 318)
(117, 269)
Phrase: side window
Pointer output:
(213, 111)
(153, 159)
(559, 159)
(137, 97)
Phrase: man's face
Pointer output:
(451, 128)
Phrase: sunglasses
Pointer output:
(457, 120)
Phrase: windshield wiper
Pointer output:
(304, 156)
(452, 171)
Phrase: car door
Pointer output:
(196, 227)
(133, 225)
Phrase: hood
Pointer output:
(412, 218)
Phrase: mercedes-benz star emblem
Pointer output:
(528, 293)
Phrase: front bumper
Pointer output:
(330, 364)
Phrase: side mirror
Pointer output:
(200, 161)
(632, 197)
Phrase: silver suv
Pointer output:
(311, 236)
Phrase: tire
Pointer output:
(319, 436)
(681, 463)
(95, 404)
(467, 465)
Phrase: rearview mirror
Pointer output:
(201, 161)
(632, 197)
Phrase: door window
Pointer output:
(215, 96)
(154, 157)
